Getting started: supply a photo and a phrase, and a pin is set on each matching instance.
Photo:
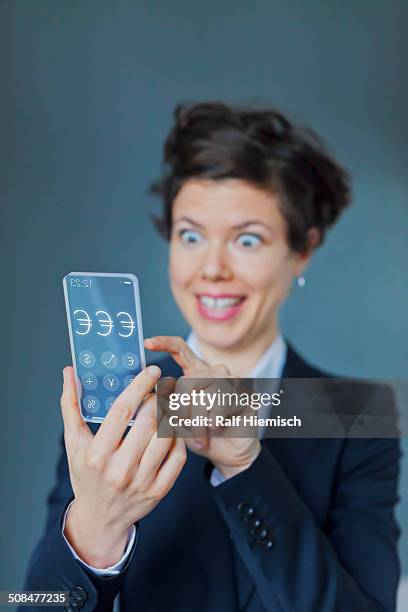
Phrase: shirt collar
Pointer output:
(270, 364)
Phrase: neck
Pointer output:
(240, 359)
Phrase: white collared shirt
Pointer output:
(270, 365)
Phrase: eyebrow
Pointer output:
(189, 221)
(242, 225)
(235, 227)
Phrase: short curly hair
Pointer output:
(213, 140)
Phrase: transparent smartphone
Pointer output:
(105, 332)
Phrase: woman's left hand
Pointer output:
(229, 454)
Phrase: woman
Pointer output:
(243, 524)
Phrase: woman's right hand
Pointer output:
(115, 481)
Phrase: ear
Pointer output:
(302, 259)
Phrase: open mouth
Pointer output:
(219, 307)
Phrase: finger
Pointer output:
(178, 349)
(172, 467)
(197, 445)
(122, 411)
(74, 425)
(145, 426)
(201, 438)
(153, 457)
(165, 389)
(206, 402)
(199, 413)
(224, 388)
(215, 371)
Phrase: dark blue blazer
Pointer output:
(328, 505)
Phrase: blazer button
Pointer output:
(255, 524)
(247, 510)
(268, 545)
(262, 534)
(77, 597)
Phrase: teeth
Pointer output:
(211, 302)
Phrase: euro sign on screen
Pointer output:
(106, 337)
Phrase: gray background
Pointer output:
(87, 90)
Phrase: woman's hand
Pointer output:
(229, 454)
(116, 481)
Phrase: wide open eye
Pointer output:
(249, 240)
(190, 236)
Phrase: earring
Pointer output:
(301, 281)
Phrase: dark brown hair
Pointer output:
(215, 141)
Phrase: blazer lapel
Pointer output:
(292, 456)
(212, 541)
(293, 453)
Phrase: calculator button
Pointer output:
(111, 382)
(87, 359)
(130, 361)
(109, 360)
(109, 401)
(128, 379)
(89, 381)
(91, 404)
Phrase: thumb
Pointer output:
(75, 428)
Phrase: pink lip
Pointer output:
(213, 314)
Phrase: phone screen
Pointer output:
(105, 330)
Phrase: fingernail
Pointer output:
(154, 371)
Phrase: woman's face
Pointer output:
(230, 263)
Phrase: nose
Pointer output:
(215, 264)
